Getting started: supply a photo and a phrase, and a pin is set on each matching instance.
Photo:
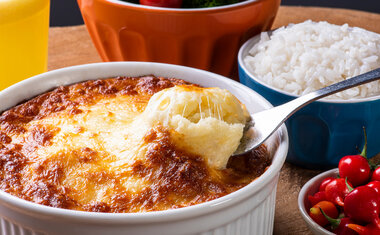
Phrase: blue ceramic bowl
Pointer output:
(324, 131)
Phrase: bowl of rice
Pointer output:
(295, 60)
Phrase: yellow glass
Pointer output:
(24, 26)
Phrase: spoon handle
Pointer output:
(296, 104)
(264, 123)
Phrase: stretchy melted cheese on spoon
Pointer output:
(206, 121)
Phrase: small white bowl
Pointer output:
(249, 210)
(310, 188)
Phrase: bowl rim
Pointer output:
(145, 217)
(302, 195)
(244, 50)
(186, 10)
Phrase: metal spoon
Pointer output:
(264, 123)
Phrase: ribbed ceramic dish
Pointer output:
(249, 210)
(205, 38)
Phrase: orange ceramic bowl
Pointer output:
(204, 38)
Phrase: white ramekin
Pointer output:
(249, 210)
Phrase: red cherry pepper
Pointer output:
(375, 185)
(323, 184)
(339, 226)
(370, 229)
(317, 197)
(355, 168)
(363, 205)
(342, 228)
(376, 174)
(162, 3)
(329, 209)
(337, 190)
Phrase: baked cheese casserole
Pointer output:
(126, 145)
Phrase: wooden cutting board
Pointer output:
(72, 46)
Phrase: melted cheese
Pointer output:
(108, 128)
(206, 121)
(126, 151)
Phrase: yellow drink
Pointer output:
(24, 26)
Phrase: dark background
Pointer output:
(66, 12)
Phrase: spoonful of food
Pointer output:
(264, 123)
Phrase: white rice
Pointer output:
(304, 57)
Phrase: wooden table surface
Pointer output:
(72, 46)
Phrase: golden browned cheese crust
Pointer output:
(67, 149)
